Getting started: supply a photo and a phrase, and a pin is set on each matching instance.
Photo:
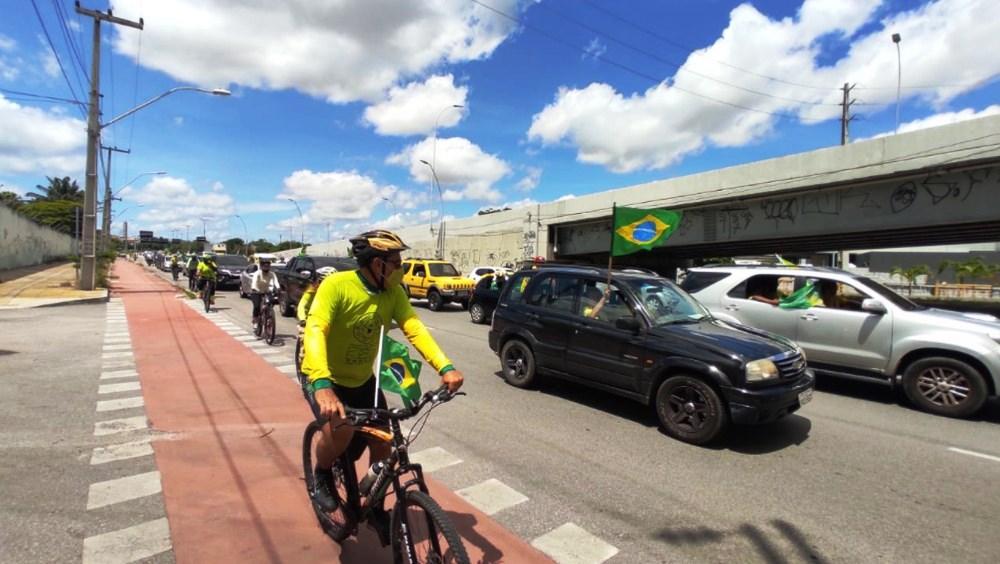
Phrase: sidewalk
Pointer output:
(43, 285)
(230, 459)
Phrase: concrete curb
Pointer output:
(75, 301)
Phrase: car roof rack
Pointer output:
(810, 268)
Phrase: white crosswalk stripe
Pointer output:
(128, 545)
(119, 490)
(122, 451)
(122, 425)
(571, 544)
(116, 404)
(492, 496)
(118, 387)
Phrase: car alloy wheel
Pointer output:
(478, 313)
(945, 386)
(434, 300)
(518, 363)
(690, 410)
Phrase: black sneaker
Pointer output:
(380, 522)
(322, 494)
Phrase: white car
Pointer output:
(477, 272)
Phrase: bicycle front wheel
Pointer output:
(207, 297)
(422, 532)
(339, 523)
(269, 326)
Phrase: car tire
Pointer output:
(690, 410)
(478, 313)
(945, 386)
(434, 301)
(465, 304)
(517, 363)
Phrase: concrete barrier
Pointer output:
(26, 243)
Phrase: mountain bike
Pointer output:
(420, 530)
(208, 294)
(265, 319)
(299, 355)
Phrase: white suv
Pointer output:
(947, 362)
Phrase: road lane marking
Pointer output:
(123, 425)
(245, 338)
(124, 403)
(112, 347)
(117, 341)
(287, 368)
(120, 364)
(434, 458)
(128, 545)
(102, 494)
(492, 496)
(974, 453)
(119, 387)
(110, 355)
(113, 374)
(571, 544)
(122, 451)
(118, 335)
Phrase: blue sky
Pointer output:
(335, 102)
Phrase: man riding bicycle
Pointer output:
(341, 343)
(207, 273)
(192, 268)
(262, 282)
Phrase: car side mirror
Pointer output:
(873, 306)
(305, 273)
(629, 324)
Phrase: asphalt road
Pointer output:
(853, 476)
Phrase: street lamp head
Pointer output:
(221, 92)
(896, 38)
(426, 163)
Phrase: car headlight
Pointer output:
(761, 370)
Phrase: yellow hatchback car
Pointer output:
(438, 281)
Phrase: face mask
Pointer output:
(391, 280)
(265, 268)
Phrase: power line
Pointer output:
(56, 55)
(636, 72)
(679, 66)
(33, 96)
(135, 101)
(74, 46)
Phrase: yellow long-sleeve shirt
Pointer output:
(305, 302)
(342, 330)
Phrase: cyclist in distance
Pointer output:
(207, 271)
(341, 343)
(262, 282)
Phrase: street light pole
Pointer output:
(896, 38)
(434, 145)
(301, 220)
(246, 234)
(391, 203)
(437, 184)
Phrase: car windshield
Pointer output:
(897, 300)
(231, 260)
(442, 269)
(340, 263)
(665, 302)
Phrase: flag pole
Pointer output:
(378, 361)
(611, 248)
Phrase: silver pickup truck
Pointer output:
(947, 362)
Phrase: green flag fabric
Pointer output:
(803, 298)
(399, 373)
(640, 230)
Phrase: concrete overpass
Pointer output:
(928, 187)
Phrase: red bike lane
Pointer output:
(229, 453)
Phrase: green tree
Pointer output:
(10, 199)
(262, 246)
(234, 245)
(911, 274)
(974, 269)
(57, 214)
(58, 189)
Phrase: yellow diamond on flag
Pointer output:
(643, 231)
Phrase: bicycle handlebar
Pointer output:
(358, 417)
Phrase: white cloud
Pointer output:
(594, 49)
(340, 51)
(263, 207)
(36, 140)
(74, 25)
(7, 43)
(340, 195)
(413, 109)
(463, 169)
(659, 127)
(178, 120)
(943, 118)
(565, 197)
(530, 180)
(172, 203)
(524, 202)
(49, 63)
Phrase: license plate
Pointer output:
(805, 397)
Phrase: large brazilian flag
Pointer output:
(398, 373)
(640, 230)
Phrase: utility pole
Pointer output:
(845, 113)
(108, 198)
(88, 259)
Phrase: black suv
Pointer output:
(646, 339)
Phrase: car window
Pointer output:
(515, 290)
(696, 280)
(419, 270)
(554, 292)
(482, 271)
(406, 268)
(896, 299)
(593, 305)
(840, 295)
(665, 302)
(443, 269)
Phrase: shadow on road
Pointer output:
(766, 546)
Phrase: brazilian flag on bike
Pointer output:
(398, 372)
(640, 230)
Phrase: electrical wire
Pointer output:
(679, 66)
(135, 101)
(31, 96)
(55, 53)
(637, 72)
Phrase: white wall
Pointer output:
(25, 243)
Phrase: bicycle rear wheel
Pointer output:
(269, 325)
(341, 522)
(207, 297)
(419, 521)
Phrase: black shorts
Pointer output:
(359, 398)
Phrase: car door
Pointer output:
(840, 334)
(418, 280)
(598, 350)
(754, 302)
(550, 304)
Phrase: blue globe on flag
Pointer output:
(645, 232)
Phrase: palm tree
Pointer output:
(10, 199)
(58, 189)
(911, 274)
